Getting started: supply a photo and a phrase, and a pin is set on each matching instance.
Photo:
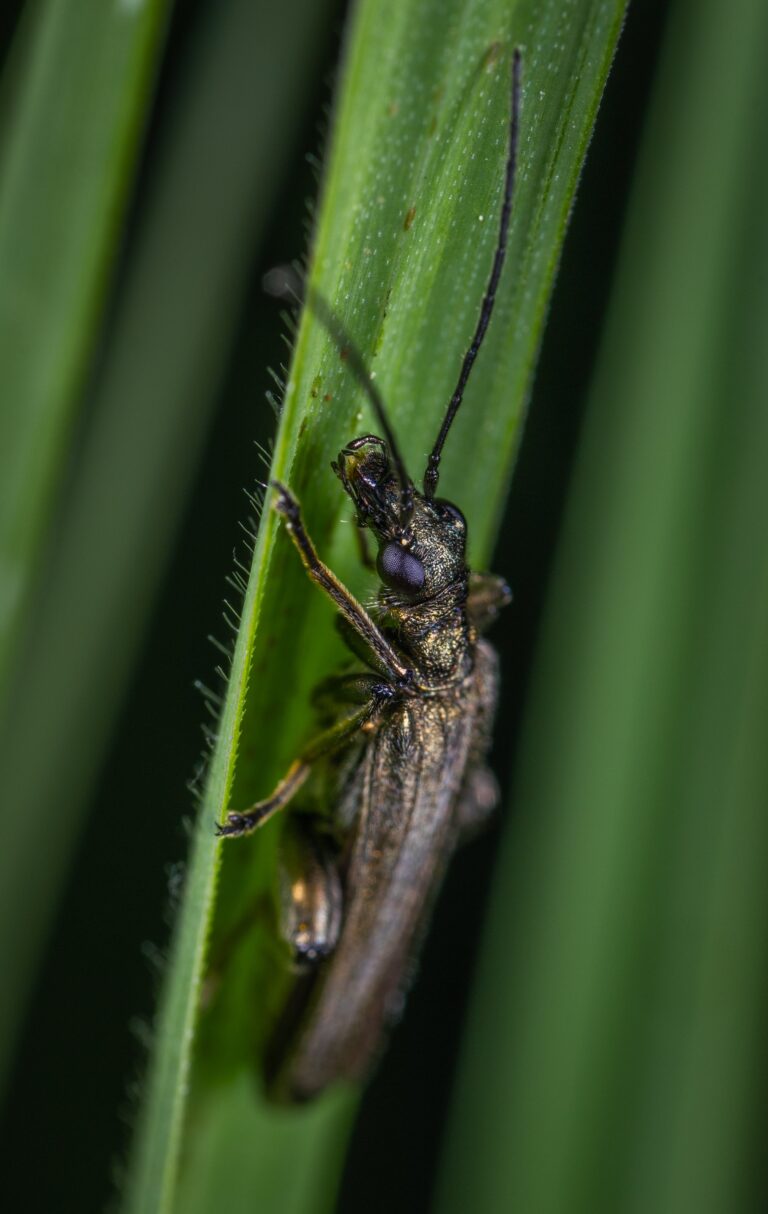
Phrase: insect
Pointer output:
(403, 754)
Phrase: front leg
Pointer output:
(366, 559)
(387, 658)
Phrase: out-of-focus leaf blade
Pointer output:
(615, 1047)
(218, 167)
(83, 81)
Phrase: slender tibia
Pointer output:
(286, 505)
(363, 548)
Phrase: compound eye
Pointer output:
(400, 569)
(452, 511)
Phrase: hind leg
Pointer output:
(311, 900)
(477, 802)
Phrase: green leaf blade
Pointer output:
(403, 248)
(70, 149)
(162, 359)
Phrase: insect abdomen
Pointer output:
(412, 774)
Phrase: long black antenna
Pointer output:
(284, 283)
(433, 463)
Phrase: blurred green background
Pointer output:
(651, 635)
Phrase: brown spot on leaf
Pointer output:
(410, 215)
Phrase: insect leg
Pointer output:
(309, 910)
(340, 690)
(487, 595)
(346, 603)
(335, 738)
(477, 801)
(310, 895)
(354, 642)
(366, 559)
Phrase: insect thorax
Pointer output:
(436, 634)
